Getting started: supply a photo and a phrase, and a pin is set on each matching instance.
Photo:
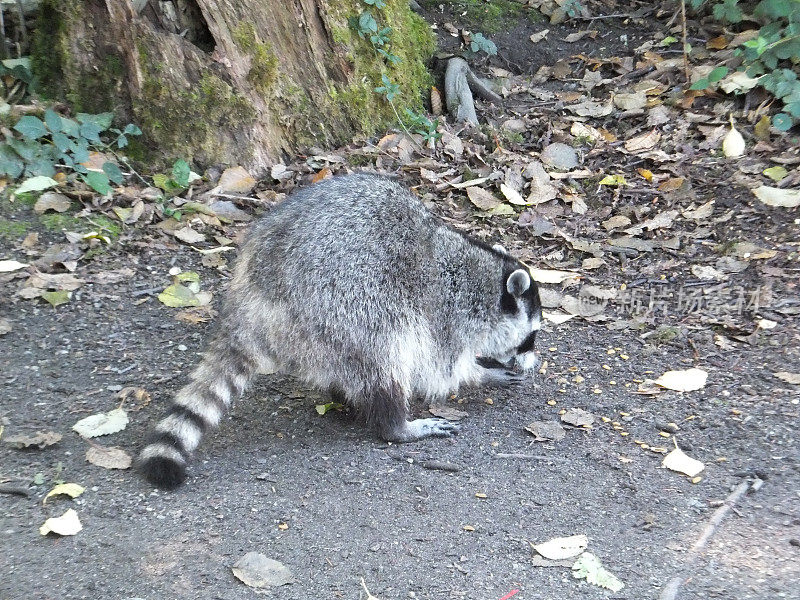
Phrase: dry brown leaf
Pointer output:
(109, 458)
(482, 198)
(39, 439)
(236, 180)
(644, 141)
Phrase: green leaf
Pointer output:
(52, 120)
(61, 141)
(327, 407)
(10, 162)
(41, 165)
(180, 172)
(102, 120)
(776, 173)
(782, 122)
(70, 127)
(91, 131)
(122, 141)
(112, 170)
(31, 127)
(57, 298)
(27, 149)
(131, 129)
(36, 184)
(81, 151)
(366, 23)
(717, 74)
(97, 181)
(700, 84)
(178, 296)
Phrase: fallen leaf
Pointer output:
(630, 101)
(36, 184)
(545, 431)
(559, 155)
(738, 82)
(51, 201)
(772, 196)
(57, 298)
(563, 547)
(66, 524)
(614, 180)
(482, 198)
(109, 458)
(688, 380)
(577, 417)
(776, 173)
(678, 461)
(5, 326)
(225, 209)
(258, 571)
(39, 439)
(9, 266)
(552, 275)
(616, 222)
(557, 318)
(701, 213)
(73, 490)
(644, 141)
(236, 180)
(447, 412)
(591, 108)
(512, 195)
(793, 378)
(589, 567)
(189, 235)
(102, 423)
(539, 36)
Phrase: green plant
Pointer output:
(173, 184)
(773, 56)
(421, 124)
(479, 43)
(64, 143)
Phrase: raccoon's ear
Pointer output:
(518, 282)
(500, 248)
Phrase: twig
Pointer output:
(369, 595)
(525, 456)
(670, 591)
(234, 197)
(685, 43)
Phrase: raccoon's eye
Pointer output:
(527, 344)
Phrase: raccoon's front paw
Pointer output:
(423, 428)
(503, 377)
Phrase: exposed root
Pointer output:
(459, 84)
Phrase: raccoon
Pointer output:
(355, 287)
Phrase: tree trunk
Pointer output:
(231, 81)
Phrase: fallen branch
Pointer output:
(670, 591)
(459, 84)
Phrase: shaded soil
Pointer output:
(322, 495)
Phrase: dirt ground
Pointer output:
(452, 518)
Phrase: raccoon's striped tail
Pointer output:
(221, 377)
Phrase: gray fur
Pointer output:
(353, 286)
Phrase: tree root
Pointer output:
(459, 84)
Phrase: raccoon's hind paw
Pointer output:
(163, 472)
(423, 428)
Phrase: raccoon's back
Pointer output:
(346, 243)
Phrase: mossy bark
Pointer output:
(252, 80)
